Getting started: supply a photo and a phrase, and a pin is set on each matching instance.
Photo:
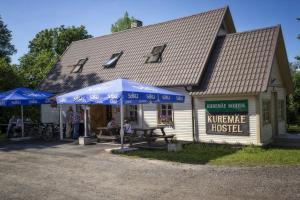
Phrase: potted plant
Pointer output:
(174, 145)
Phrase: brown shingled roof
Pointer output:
(240, 63)
(189, 43)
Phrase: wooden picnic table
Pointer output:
(101, 130)
(149, 135)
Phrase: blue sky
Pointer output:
(26, 18)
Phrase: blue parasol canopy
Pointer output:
(127, 91)
(23, 97)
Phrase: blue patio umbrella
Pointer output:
(120, 92)
(23, 97)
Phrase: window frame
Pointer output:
(78, 67)
(168, 116)
(132, 108)
(113, 60)
(266, 104)
(155, 57)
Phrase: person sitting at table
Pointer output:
(12, 121)
(112, 126)
(127, 127)
(18, 127)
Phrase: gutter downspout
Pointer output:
(193, 118)
(193, 113)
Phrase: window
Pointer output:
(113, 60)
(266, 112)
(132, 113)
(280, 109)
(165, 114)
(78, 67)
(156, 54)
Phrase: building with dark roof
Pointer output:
(235, 83)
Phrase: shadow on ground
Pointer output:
(192, 153)
(29, 144)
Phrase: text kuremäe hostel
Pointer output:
(235, 83)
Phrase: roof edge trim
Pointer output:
(270, 62)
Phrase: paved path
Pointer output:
(65, 171)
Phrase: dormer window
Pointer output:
(78, 67)
(113, 60)
(156, 54)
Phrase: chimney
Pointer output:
(136, 23)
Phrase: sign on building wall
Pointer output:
(227, 117)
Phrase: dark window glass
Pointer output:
(113, 60)
(78, 67)
(156, 54)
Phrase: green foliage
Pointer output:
(44, 51)
(35, 66)
(293, 100)
(9, 77)
(298, 57)
(298, 34)
(293, 103)
(122, 23)
(57, 39)
(6, 48)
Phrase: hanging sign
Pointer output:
(227, 117)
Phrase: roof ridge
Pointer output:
(150, 25)
(254, 30)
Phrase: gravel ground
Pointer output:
(66, 171)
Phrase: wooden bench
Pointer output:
(148, 134)
(167, 138)
(106, 134)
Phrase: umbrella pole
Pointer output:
(85, 122)
(122, 123)
(61, 129)
(22, 118)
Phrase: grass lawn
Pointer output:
(224, 155)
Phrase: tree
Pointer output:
(293, 100)
(298, 37)
(122, 23)
(293, 104)
(6, 48)
(9, 79)
(57, 39)
(35, 66)
(44, 51)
